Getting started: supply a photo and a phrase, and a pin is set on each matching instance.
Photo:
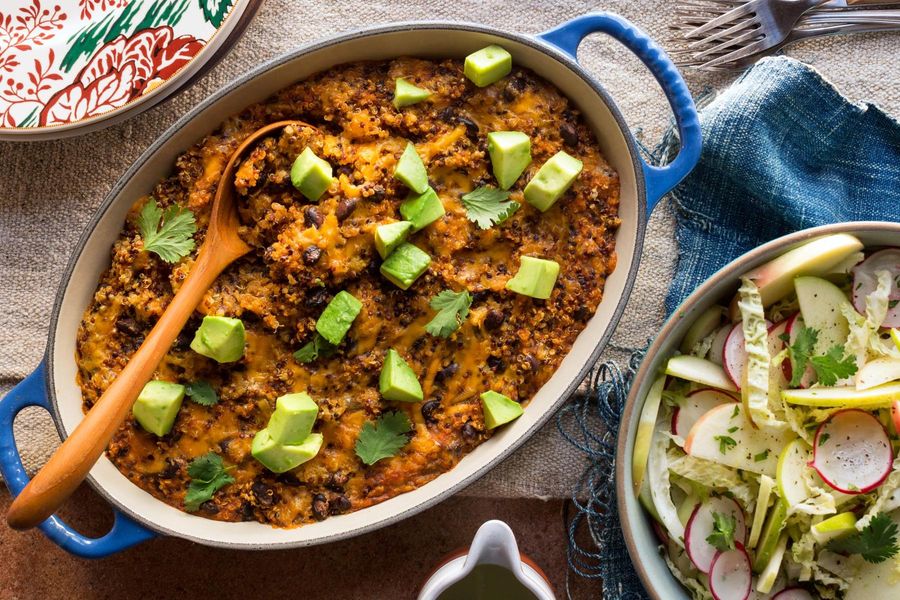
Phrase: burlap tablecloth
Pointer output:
(49, 190)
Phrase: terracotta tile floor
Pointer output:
(387, 564)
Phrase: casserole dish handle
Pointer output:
(32, 391)
(568, 36)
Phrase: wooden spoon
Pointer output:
(71, 462)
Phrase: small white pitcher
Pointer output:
(494, 544)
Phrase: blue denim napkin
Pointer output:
(782, 151)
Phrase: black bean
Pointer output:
(312, 217)
(264, 493)
(340, 505)
(448, 114)
(170, 471)
(582, 313)
(209, 507)
(377, 193)
(345, 207)
(337, 481)
(568, 134)
(428, 410)
(496, 363)
(469, 431)
(446, 373)
(128, 326)
(471, 127)
(289, 479)
(318, 298)
(320, 507)
(185, 337)
(312, 255)
(247, 512)
(494, 319)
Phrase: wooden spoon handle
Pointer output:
(71, 462)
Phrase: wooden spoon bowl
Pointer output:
(69, 465)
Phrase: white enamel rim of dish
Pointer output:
(721, 286)
(142, 103)
(420, 39)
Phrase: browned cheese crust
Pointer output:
(305, 252)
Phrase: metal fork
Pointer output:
(749, 28)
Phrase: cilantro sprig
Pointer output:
(726, 443)
(169, 233)
(722, 536)
(829, 367)
(312, 350)
(202, 393)
(384, 438)
(876, 543)
(487, 206)
(208, 475)
(452, 307)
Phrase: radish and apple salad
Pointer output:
(765, 453)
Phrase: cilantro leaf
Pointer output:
(202, 393)
(169, 233)
(876, 543)
(761, 456)
(488, 206)
(726, 443)
(800, 352)
(383, 438)
(452, 307)
(722, 536)
(319, 346)
(833, 366)
(208, 475)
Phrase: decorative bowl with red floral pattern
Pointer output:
(72, 66)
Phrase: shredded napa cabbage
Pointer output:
(756, 339)
(864, 339)
(660, 485)
(884, 494)
(716, 476)
(820, 501)
(694, 585)
(701, 348)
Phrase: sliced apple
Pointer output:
(793, 593)
(820, 304)
(770, 571)
(766, 486)
(699, 370)
(895, 335)
(770, 535)
(790, 473)
(646, 500)
(695, 405)
(895, 415)
(775, 279)
(755, 450)
(875, 581)
(644, 435)
(877, 372)
(834, 527)
(881, 396)
(717, 350)
(703, 326)
(852, 452)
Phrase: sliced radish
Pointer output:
(735, 353)
(701, 525)
(793, 327)
(717, 350)
(865, 281)
(697, 404)
(852, 452)
(793, 593)
(730, 576)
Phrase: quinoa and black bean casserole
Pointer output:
(305, 252)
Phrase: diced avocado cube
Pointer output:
(220, 338)
(510, 153)
(311, 175)
(406, 94)
(536, 277)
(293, 418)
(488, 65)
(391, 235)
(405, 265)
(552, 180)
(411, 171)
(398, 382)
(335, 320)
(498, 409)
(422, 209)
(279, 458)
(157, 406)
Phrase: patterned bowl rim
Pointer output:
(219, 44)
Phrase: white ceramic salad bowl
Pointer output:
(637, 526)
(551, 55)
